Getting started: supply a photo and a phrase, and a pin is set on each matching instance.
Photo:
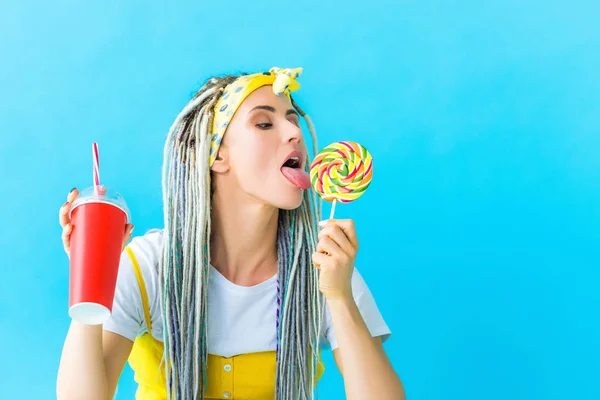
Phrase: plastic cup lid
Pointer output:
(105, 195)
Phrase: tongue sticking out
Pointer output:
(297, 176)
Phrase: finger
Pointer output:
(102, 190)
(63, 214)
(66, 237)
(347, 226)
(72, 195)
(327, 246)
(337, 235)
(319, 259)
(128, 234)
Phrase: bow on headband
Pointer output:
(283, 82)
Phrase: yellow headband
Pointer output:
(283, 81)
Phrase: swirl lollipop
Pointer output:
(341, 172)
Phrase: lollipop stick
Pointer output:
(332, 209)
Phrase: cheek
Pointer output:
(253, 153)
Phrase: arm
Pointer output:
(92, 359)
(91, 363)
(361, 359)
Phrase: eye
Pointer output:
(266, 125)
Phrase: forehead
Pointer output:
(265, 96)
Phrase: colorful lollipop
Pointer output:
(341, 172)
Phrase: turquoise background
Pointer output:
(479, 234)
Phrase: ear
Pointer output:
(221, 164)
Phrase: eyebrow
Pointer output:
(272, 109)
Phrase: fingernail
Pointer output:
(72, 190)
(322, 223)
(64, 205)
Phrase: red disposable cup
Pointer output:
(98, 228)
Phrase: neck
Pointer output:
(243, 242)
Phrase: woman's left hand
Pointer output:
(335, 256)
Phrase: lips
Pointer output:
(293, 170)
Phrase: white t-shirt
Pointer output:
(240, 319)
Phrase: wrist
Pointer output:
(90, 330)
(340, 300)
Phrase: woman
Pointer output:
(226, 301)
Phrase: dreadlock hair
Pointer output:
(185, 263)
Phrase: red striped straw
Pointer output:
(96, 169)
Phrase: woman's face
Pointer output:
(263, 153)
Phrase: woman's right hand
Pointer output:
(65, 223)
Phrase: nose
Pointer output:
(293, 133)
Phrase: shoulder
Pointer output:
(147, 249)
(141, 259)
(137, 283)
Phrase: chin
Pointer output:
(289, 201)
